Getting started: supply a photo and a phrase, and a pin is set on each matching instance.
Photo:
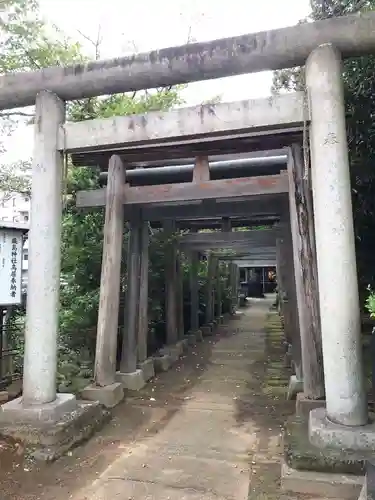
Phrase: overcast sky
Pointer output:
(135, 26)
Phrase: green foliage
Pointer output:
(370, 302)
(27, 43)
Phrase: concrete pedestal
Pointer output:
(108, 395)
(173, 351)
(311, 470)
(17, 412)
(132, 381)
(363, 494)
(51, 429)
(184, 345)
(162, 363)
(325, 434)
(191, 338)
(295, 386)
(147, 368)
(206, 330)
(198, 335)
(305, 405)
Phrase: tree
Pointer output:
(26, 43)
(359, 89)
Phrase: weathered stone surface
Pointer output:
(131, 381)
(192, 339)
(305, 405)
(325, 434)
(15, 412)
(300, 454)
(295, 386)
(4, 396)
(147, 368)
(206, 330)
(162, 363)
(109, 395)
(15, 389)
(345, 487)
(50, 440)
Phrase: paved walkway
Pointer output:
(207, 430)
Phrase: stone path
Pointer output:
(207, 430)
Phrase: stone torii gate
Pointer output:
(264, 124)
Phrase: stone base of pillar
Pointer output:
(220, 320)
(16, 412)
(49, 433)
(206, 330)
(304, 405)
(198, 335)
(184, 345)
(173, 351)
(108, 395)
(345, 487)
(147, 368)
(191, 338)
(227, 316)
(326, 434)
(363, 494)
(162, 363)
(323, 470)
(131, 381)
(295, 386)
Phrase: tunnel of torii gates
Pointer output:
(309, 198)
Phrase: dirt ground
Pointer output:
(208, 429)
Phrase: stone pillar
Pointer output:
(40, 361)
(336, 261)
(39, 400)
(131, 376)
(194, 291)
(171, 286)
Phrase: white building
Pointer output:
(15, 207)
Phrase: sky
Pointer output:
(128, 26)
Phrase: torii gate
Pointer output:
(277, 122)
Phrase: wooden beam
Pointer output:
(290, 305)
(284, 111)
(265, 206)
(255, 263)
(209, 316)
(143, 293)
(240, 188)
(266, 50)
(129, 341)
(261, 237)
(106, 340)
(171, 286)
(306, 275)
(201, 171)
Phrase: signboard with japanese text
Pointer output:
(11, 244)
